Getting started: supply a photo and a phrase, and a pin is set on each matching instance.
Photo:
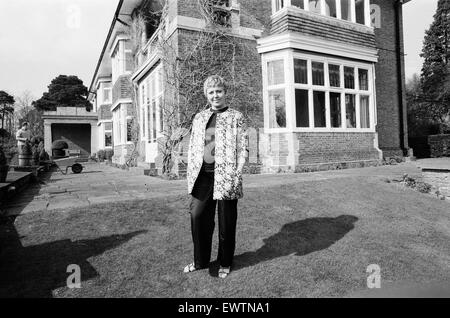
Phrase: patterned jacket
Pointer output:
(230, 152)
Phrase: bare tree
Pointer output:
(25, 111)
(212, 51)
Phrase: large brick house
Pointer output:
(330, 75)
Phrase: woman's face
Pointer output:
(216, 97)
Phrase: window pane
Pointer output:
(314, 6)
(106, 95)
(318, 73)
(364, 112)
(108, 139)
(363, 79)
(298, 3)
(301, 71)
(154, 127)
(275, 71)
(277, 109)
(359, 6)
(108, 126)
(330, 8)
(302, 108)
(335, 110)
(349, 76)
(129, 62)
(129, 129)
(319, 109)
(161, 114)
(149, 122)
(350, 110)
(345, 10)
(279, 4)
(335, 75)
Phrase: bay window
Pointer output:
(152, 110)
(305, 92)
(121, 59)
(277, 93)
(108, 134)
(356, 11)
(314, 6)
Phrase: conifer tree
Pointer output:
(435, 77)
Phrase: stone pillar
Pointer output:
(94, 138)
(48, 137)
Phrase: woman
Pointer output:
(216, 157)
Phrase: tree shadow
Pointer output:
(15, 205)
(35, 271)
(299, 238)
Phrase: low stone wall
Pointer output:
(439, 180)
(439, 145)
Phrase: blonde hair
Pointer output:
(214, 80)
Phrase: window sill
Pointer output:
(317, 130)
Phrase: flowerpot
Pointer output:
(3, 173)
(25, 160)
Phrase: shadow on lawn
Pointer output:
(301, 237)
(34, 271)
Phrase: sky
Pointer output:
(417, 18)
(41, 39)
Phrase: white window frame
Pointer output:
(271, 58)
(147, 98)
(276, 7)
(103, 135)
(288, 56)
(107, 89)
(118, 59)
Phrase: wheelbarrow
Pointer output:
(70, 162)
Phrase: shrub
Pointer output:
(37, 140)
(59, 145)
(109, 153)
(10, 148)
(4, 134)
(423, 187)
(2, 157)
(101, 155)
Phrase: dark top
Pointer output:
(210, 142)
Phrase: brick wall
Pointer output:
(255, 14)
(387, 84)
(188, 8)
(122, 153)
(277, 150)
(246, 72)
(122, 88)
(335, 147)
(322, 27)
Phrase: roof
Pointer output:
(121, 16)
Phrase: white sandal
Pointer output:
(189, 268)
(224, 271)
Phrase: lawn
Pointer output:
(302, 239)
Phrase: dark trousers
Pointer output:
(203, 210)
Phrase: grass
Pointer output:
(305, 239)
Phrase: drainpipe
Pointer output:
(400, 73)
(111, 29)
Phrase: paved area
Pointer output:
(102, 184)
(433, 163)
